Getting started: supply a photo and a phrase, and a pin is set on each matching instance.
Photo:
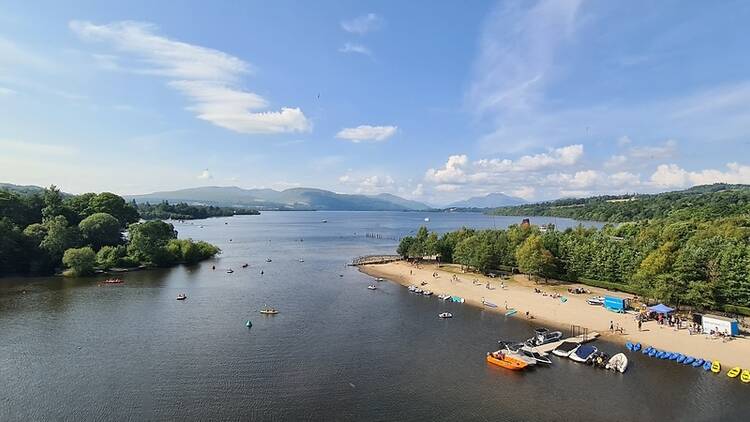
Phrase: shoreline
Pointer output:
(552, 312)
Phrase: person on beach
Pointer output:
(611, 326)
(639, 324)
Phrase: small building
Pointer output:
(720, 324)
(616, 304)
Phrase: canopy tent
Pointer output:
(660, 309)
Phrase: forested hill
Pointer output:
(702, 203)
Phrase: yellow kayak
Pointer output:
(734, 372)
(716, 367)
(745, 376)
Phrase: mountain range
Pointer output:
(491, 200)
(288, 199)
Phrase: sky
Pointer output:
(432, 101)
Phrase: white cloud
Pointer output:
(666, 150)
(453, 172)
(362, 24)
(624, 141)
(208, 77)
(367, 133)
(31, 149)
(355, 48)
(6, 91)
(370, 184)
(447, 188)
(418, 190)
(205, 175)
(525, 192)
(616, 161)
(672, 175)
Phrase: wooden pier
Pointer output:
(375, 259)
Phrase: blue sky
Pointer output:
(434, 101)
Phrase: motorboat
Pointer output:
(445, 315)
(457, 299)
(269, 311)
(528, 353)
(596, 301)
(112, 281)
(618, 362)
(248, 324)
(269, 260)
(565, 349)
(245, 265)
(230, 271)
(426, 292)
(380, 279)
(583, 353)
(544, 336)
(323, 221)
(181, 296)
(301, 260)
(372, 287)
(506, 361)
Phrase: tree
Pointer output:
(148, 242)
(110, 256)
(100, 229)
(53, 203)
(79, 261)
(533, 258)
(12, 253)
(115, 206)
(59, 237)
(404, 246)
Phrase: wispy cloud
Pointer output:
(30, 149)
(209, 78)
(362, 24)
(205, 175)
(364, 133)
(6, 91)
(355, 48)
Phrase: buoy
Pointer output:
(248, 324)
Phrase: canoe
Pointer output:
(489, 304)
(732, 373)
(745, 376)
(707, 365)
(504, 361)
(715, 367)
(688, 360)
(511, 312)
(697, 363)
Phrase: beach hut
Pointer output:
(660, 309)
(720, 324)
(617, 304)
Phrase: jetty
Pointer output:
(375, 259)
(578, 335)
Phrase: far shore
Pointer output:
(552, 312)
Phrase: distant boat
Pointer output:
(510, 312)
(301, 260)
(181, 296)
(268, 259)
(230, 271)
(488, 304)
(112, 281)
(248, 324)
(269, 311)
(245, 265)
(445, 315)
(372, 287)
(379, 279)
(427, 219)
(426, 292)
(324, 221)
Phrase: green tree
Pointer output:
(148, 242)
(59, 237)
(79, 261)
(115, 206)
(100, 229)
(533, 259)
(111, 256)
(404, 246)
(13, 255)
(53, 203)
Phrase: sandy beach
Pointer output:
(519, 294)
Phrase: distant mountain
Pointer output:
(492, 200)
(20, 188)
(289, 199)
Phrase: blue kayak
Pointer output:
(674, 356)
(667, 355)
(681, 358)
(629, 346)
(697, 363)
(653, 352)
(707, 365)
(689, 360)
(637, 347)
(646, 350)
(661, 355)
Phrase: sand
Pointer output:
(552, 312)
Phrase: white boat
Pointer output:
(565, 349)
(418, 290)
(412, 288)
(268, 260)
(181, 296)
(583, 353)
(445, 315)
(301, 260)
(427, 219)
(372, 287)
(230, 271)
(618, 362)
(518, 350)
(544, 336)
(379, 279)
(596, 301)
(426, 292)
(444, 297)
(538, 356)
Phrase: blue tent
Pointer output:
(660, 309)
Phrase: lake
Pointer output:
(71, 349)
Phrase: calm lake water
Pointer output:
(73, 350)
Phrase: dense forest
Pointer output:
(182, 211)
(682, 262)
(702, 203)
(46, 231)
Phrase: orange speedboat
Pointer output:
(506, 361)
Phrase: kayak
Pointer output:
(698, 362)
(681, 358)
(647, 350)
(707, 365)
(653, 352)
(734, 372)
(637, 347)
(511, 312)
(688, 360)
(716, 367)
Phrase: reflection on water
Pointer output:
(72, 349)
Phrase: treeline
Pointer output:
(702, 203)
(692, 262)
(41, 233)
(182, 211)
